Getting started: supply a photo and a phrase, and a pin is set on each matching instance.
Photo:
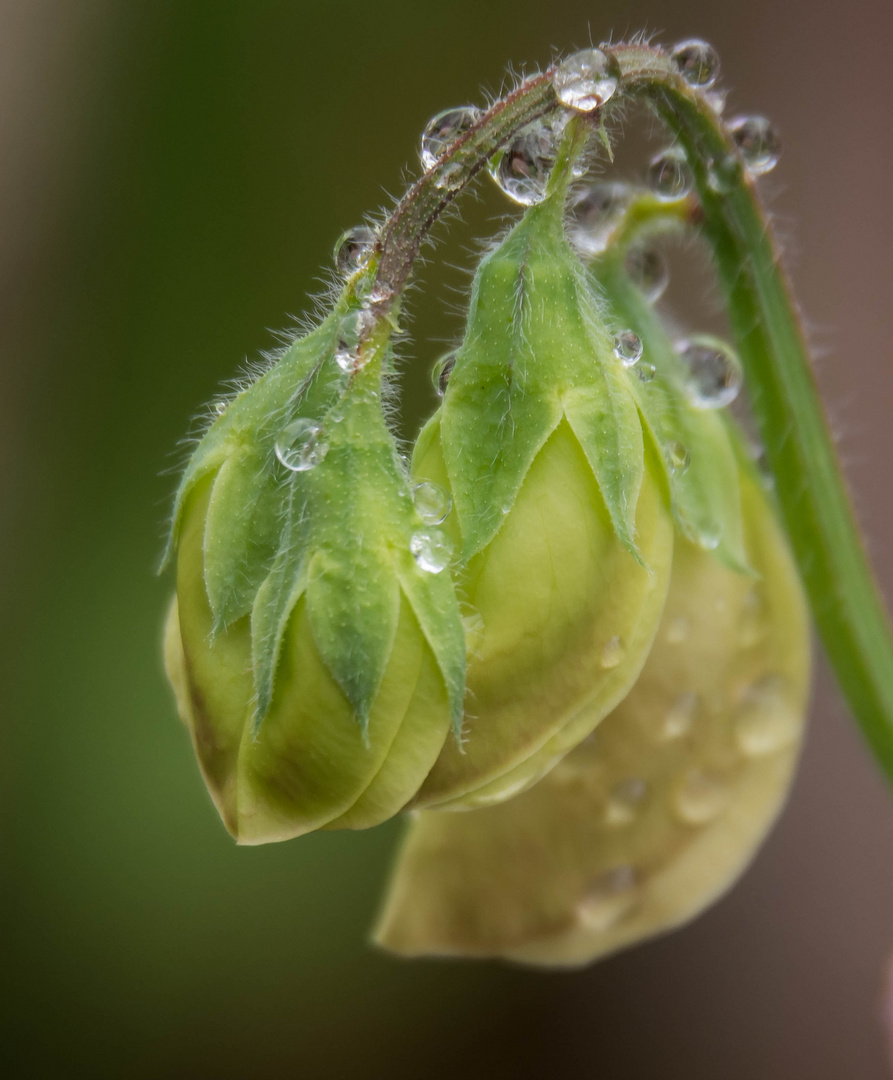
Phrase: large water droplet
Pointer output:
(680, 716)
(625, 800)
(612, 652)
(301, 446)
(443, 130)
(354, 249)
(759, 142)
(440, 373)
(668, 174)
(432, 503)
(712, 372)
(350, 334)
(608, 898)
(648, 270)
(697, 61)
(628, 348)
(586, 80)
(523, 168)
(700, 796)
(431, 549)
(596, 214)
(766, 721)
(678, 457)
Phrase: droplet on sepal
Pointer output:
(765, 721)
(522, 170)
(697, 62)
(648, 270)
(628, 348)
(645, 372)
(712, 372)
(350, 334)
(432, 503)
(431, 549)
(625, 800)
(596, 214)
(758, 141)
(608, 898)
(679, 718)
(586, 80)
(354, 249)
(700, 796)
(668, 174)
(444, 129)
(612, 652)
(301, 446)
(440, 373)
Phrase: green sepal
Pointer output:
(535, 350)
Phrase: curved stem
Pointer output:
(811, 491)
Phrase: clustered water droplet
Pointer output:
(354, 249)
(648, 270)
(431, 549)
(608, 898)
(301, 445)
(586, 80)
(612, 652)
(697, 62)
(758, 141)
(625, 800)
(432, 503)
(628, 348)
(712, 372)
(350, 335)
(444, 129)
(765, 720)
(668, 174)
(596, 214)
(700, 796)
(440, 373)
(680, 716)
(645, 372)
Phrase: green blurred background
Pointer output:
(173, 176)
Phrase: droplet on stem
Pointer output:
(354, 249)
(712, 372)
(522, 169)
(444, 129)
(586, 80)
(697, 62)
(668, 174)
(596, 214)
(648, 270)
(758, 141)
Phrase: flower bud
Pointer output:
(316, 662)
(561, 515)
(655, 816)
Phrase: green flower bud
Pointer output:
(316, 663)
(649, 821)
(561, 515)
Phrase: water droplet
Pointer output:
(625, 800)
(473, 625)
(350, 333)
(449, 176)
(677, 630)
(431, 549)
(612, 652)
(608, 898)
(645, 372)
(765, 721)
(700, 797)
(649, 271)
(724, 173)
(759, 142)
(220, 407)
(678, 457)
(596, 214)
(668, 174)
(444, 129)
(301, 446)
(713, 374)
(586, 80)
(628, 348)
(522, 170)
(432, 503)
(440, 374)
(716, 99)
(680, 716)
(697, 61)
(354, 249)
(752, 625)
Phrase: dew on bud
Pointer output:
(628, 348)
(612, 652)
(645, 372)
(697, 62)
(713, 374)
(680, 717)
(625, 800)
(678, 457)
(301, 446)
(758, 141)
(596, 214)
(765, 722)
(354, 249)
(444, 129)
(432, 503)
(608, 898)
(350, 333)
(431, 549)
(440, 373)
(700, 797)
(586, 80)
(668, 174)
(522, 170)
(649, 271)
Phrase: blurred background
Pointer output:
(173, 175)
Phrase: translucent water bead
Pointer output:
(648, 270)
(628, 348)
(354, 249)
(301, 446)
(522, 170)
(713, 374)
(596, 214)
(432, 503)
(586, 80)
(444, 129)
(697, 62)
(758, 141)
(432, 550)
(668, 174)
(440, 373)
(350, 333)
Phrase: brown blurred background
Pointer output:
(173, 174)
